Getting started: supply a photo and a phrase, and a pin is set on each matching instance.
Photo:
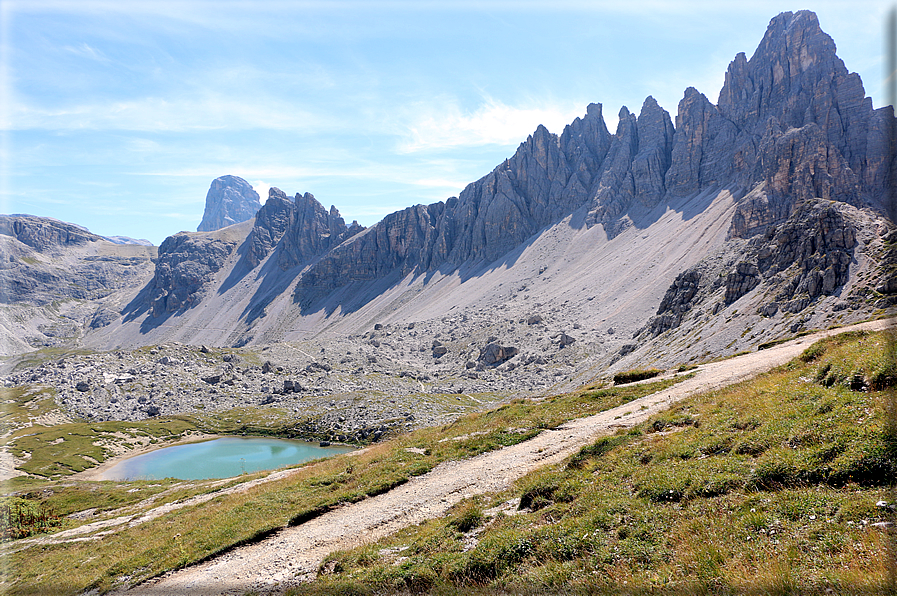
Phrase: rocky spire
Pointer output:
(302, 227)
(230, 200)
(805, 128)
(655, 146)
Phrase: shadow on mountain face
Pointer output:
(356, 294)
(274, 282)
(241, 268)
(628, 179)
(139, 307)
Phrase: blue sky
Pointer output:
(118, 115)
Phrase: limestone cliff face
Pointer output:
(548, 178)
(43, 260)
(313, 231)
(302, 229)
(701, 155)
(634, 167)
(402, 241)
(805, 127)
(43, 233)
(186, 264)
(271, 223)
(791, 126)
(230, 200)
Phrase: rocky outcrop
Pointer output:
(677, 301)
(43, 260)
(816, 244)
(230, 200)
(187, 262)
(302, 228)
(43, 233)
(797, 262)
(745, 278)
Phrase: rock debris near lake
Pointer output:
(360, 388)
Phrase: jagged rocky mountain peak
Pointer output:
(794, 76)
(230, 200)
(276, 193)
(791, 124)
(655, 127)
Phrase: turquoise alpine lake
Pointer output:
(218, 458)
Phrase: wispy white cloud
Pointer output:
(443, 124)
(86, 51)
(155, 114)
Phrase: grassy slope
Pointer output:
(194, 533)
(768, 487)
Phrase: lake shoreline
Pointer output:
(96, 473)
(117, 468)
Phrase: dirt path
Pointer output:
(294, 554)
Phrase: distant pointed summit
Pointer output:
(230, 200)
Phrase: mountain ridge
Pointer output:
(764, 123)
(596, 227)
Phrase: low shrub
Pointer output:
(812, 353)
(636, 374)
(596, 449)
(493, 555)
(538, 496)
(20, 518)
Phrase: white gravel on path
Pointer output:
(294, 554)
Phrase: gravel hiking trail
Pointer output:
(293, 555)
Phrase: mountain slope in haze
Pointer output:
(58, 280)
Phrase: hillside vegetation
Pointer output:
(777, 486)
(103, 559)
